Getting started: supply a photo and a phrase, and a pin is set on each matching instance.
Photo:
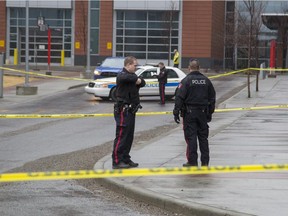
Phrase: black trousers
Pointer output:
(125, 126)
(162, 92)
(195, 127)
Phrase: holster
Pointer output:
(135, 108)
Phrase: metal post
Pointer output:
(88, 36)
(27, 45)
(1, 75)
(49, 50)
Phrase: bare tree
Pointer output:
(82, 33)
(169, 18)
(245, 33)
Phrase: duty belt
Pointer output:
(189, 108)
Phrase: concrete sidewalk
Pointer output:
(46, 86)
(236, 138)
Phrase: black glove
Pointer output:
(209, 117)
(176, 116)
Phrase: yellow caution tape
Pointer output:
(87, 80)
(227, 74)
(138, 114)
(270, 69)
(253, 108)
(101, 173)
(44, 75)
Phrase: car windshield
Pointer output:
(113, 62)
(139, 71)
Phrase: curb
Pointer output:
(162, 201)
(77, 86)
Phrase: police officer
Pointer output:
(162, 79)
(128, 102)
(195, 100)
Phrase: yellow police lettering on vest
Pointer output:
(198, 82)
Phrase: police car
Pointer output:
(106, 88)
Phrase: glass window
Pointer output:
(67, 31)
(155, 15)
(135, 40)
(149, 74)
(119, 47)
(95, 3)
(158, 48)
(172, 74)
(13, 45)
(135, 24)
(13, 29)
(94, 41)
(67, 54)
(94, 18)
(13, 21)
(68, 14)
(138, 31)
(120, 15)
(135, 15)
(135, 48)
(230, 6)
(67, 46)
(157, 55)
(135, 32)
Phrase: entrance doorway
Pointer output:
(38, 46)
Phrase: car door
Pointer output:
(152, 86)
(172, 82)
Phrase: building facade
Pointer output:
(149, 30)
(269, 22)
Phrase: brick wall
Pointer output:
(106, 27)
(3, 25)
(196, 37)
(218, 28)
(81, 26)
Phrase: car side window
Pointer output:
(149, 74)
(172, 74)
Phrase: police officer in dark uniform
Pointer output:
(128, 103)
(162, 79)
(195, 101)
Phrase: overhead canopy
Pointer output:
(274, 20)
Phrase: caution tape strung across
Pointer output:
(87, 80)
(227, 74)
(101, 173)
(18, 116)
(269, 69)
(44, 75)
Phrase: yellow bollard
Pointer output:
(62, 57)
(16, 56)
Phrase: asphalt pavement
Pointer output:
(236, 138)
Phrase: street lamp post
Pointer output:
(88, 71)
(27, 45)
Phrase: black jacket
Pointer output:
(195, 90)
(162, 77)
(126, 89)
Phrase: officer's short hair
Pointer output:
(160, 63)
(194, 64)
(129, 60)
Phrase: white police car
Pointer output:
(106, 88)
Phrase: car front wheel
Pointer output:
(113, 94)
